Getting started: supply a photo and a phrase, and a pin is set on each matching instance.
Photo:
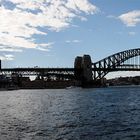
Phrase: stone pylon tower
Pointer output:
(83, 68)
(78, 68)
(0, 64)
(87, 68)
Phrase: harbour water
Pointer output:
(71, 114)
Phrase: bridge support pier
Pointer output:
(83, 69)
(0, 64)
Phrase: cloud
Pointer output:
(130, 19)
(42, 47)
(132, 33)
(21, 20)
(83, 5)
(73, 41)
(9, 49)
(7, 57)
(111, 16)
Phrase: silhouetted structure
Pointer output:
(83, 68)
(121, 61)
(78, 68)
(0, 64)
(119, 81)
(84, 71)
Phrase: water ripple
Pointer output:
(72, 114)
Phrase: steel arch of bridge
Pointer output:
(115, 63)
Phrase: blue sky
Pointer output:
(51, 33)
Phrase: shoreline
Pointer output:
(70, 87)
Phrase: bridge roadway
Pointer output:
(59, 72)
(31, 71)
(37, 69)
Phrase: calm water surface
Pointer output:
(71, 114)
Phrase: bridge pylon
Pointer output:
(83, 68)
(0, 64)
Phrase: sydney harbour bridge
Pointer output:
(84, 69)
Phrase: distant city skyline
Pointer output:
(51, 33)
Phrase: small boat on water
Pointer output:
(73, 87)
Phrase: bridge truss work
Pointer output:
(128, 60)
(58, 73)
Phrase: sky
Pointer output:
(51, 33)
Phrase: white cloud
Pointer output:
(132, 33)
(73, 41)
(130, 19)
(83, 5)
(76, 41)
(42, 47)
(111, 16)
(24, 18)
(9, 49)
(7, 57)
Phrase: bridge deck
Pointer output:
(35, 69)
(65, 69)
